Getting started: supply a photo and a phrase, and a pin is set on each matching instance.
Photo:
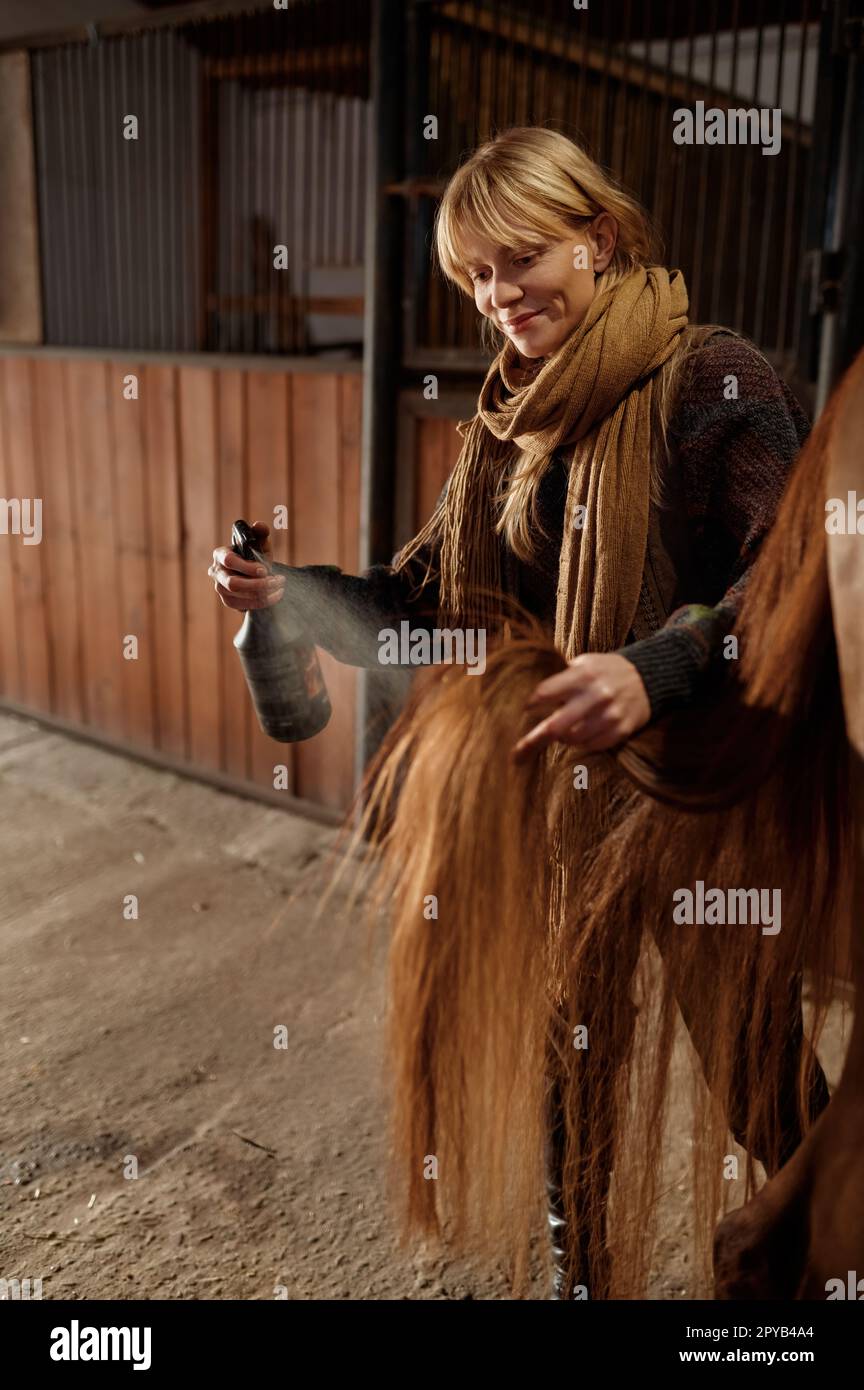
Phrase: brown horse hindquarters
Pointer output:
(804, 1232)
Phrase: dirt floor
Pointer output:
(150, 1043)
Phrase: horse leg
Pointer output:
(806, 1226)
(691, 1004)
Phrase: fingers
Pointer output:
(241, 593)
(590, 732)
(563, 710)
(226, 559)
(577, 675)
(263, 530)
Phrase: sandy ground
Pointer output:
(151, 1042)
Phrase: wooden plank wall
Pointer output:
(135, 494)
(436, 449)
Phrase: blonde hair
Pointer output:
(535, 178)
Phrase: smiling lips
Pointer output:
(515, 324)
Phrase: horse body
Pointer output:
(805, 1228)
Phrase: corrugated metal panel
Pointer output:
(251, 135)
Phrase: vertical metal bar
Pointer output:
(199, 212)
(665, 162)
(136, 251)
(256, 147)
(331, 219)
(642, 113)
(443, 104)
(719, 281)
(817, 177)
(178, 320)
(314, 185)
(425, 25)
(582, 106)
(463, 92)
(533, 65)
(167, 278)
(327, 179)
(107, 335)
(128, 277)
(340, 113)
(791, 185)
(227, 126)
(358, 127)
(72, 145)
(159, 63)
(696, 285)
(241, 269)
(88, 224)
(114, 135)
(142, 165)
(284, 325)
(426, 17)
(604, 122)
(302, 167)
(621, 144)
(505, 70)
(682, 167)
(185, 99)
(261, 128)
(274, 88)
(744, 295)
(767, 233)
(44, 66)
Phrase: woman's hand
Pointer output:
(243, 584)
(596, 703)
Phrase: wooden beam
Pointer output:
(286, 305)
(297, 62)
(133, 24)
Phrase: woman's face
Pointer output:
(537, 293)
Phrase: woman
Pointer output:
(617, 480)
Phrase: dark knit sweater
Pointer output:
(730, 458)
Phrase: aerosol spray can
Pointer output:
(279, 662)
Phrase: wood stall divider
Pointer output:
(135, 494)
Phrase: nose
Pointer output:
(504, 293)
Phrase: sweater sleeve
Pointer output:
(735, 456)
(345, 613)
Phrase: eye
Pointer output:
(479, 276)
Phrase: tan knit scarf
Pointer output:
(594, 395)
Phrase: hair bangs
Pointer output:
(479, 211)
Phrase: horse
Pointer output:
(804, 1233)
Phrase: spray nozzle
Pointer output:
(244, 542)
